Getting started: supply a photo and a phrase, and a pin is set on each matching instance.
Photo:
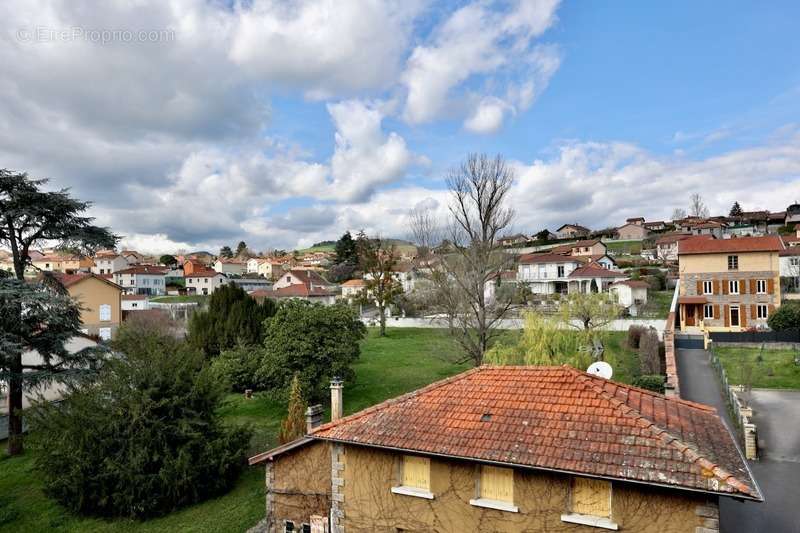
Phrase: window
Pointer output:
(590, 503)
(733, 286)
(415, 477)
(560, 271)
(761, 286)
(708, 287)
(104, 333)
(288, 526)
(496, 489)
(105, 312)
(794, 261)
(733, 262)
(708, 311)
(762, 311)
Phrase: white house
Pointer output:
(253, 264)
(309, 278)
(352, 288)
(142, 279)
(108, 263)
(230, 266)
(205, 282)
(135, 302)
(550, 273)
(630, 293)
(789, 259)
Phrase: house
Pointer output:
(659, 225)
(589, 247)
(685, 224)
(709, 227)
(100, 300)
(631, 294)
(792, 239)
(512, 240)
(65, 264)
(253, 263)
(271, 268)
(142, 279)
(792, 215)
(667, 246)
(728, 284)
(132, 257)
(509, 449)
(639, 221)
(236, 267)
(572, 231)
(352, 288)
(135, 302)
(789, 259)
(192, 266)
(205, 282)
(632, 232)
(304, 292)
(252, 283)
(549, 273)
(309, 278)
(108, 262)
(593, 277)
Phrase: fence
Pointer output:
(787, 335)
(742, 413)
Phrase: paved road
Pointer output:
(778, 477)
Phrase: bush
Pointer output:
(142, 440)
(649, 352)
(237, 368)
(787, 316)
(315, 342)
(653, 382)
(635, 335)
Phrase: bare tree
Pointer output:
(424, 232)
(378, 262)
(697, 207)
(478, 215)
(678, 213)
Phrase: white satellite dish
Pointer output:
(600, 369)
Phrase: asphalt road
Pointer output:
(778, 470)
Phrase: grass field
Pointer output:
(197, 298)
(767, 369)
(624, 247)
(403, 361)
(658, 303)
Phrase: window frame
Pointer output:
(708, 286)
(731, 283)
(733, 262)
(762, 315)
(761, 286)
(491, 503)
(412, 490)
(104, 310)
(707, 307)
(575, 517)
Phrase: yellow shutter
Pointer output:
(497, 484)
(591, 496)
(416, 472)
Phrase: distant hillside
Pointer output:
(330, 246)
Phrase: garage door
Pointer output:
(689, 342)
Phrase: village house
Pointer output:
(253, 264)
(193, 266)
(549, 273)
(792, 215)
(658, 225)
(667, 246)
(205, 282)
(135, 302)
(728, 284)
(632, 232)
(271, 268)
(142, 279)
(132, 257)
(352, 288)
(100, 300)
(512, 240)
(509, 449)
(594, 248)
(235, 267)
(793, 239)
(709, 227)
(639, 221)
(631, 294)
(65, 264)
(790, 272)
(305, 285)
(108, 262)
(572, 231)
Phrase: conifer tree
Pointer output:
(294, 425)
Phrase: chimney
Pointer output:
(313, 417)
(336, 399)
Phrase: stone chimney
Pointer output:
(313, 417)
(336, 399)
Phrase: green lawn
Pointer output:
(197, 298)
(769, 369)
(624, 247)
(658, 303)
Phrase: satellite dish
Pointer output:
(600, 369)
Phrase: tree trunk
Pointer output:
(382, 313)
(15, 408)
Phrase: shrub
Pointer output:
(294, 425)
(653, 382)
(237, 367)
(314, 341)
(787, 316)
(635, 335)
(142, 440)
(649, 352)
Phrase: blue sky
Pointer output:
(285, 123)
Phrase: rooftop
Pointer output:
(768, 243)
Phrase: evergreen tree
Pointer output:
(241, 248)
(33, 217)
(294, 425)
(226, 252)
(168, 260)
(736, 210)
(346, 250)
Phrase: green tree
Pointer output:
(232, 318)
(543, 235)
(294, 425)
(313, 341)
(736, 210)
(168, 260)
(787, 316)
(241, 248)
(346, 250)
(143, 439)
(238, 367)
(378, 262)
(226, 252)
(31, 217)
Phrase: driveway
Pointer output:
(777, 472)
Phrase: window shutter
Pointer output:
(770, 285)
(497, 484)
(591, 497)
(105, 312)
(699, 286)
(753, 311)
(416, 472)
(743, 316)
(725, 286)
(716, 311)
(753, 286)
(727, 315)
(743, 286)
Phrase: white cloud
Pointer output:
(488, 116)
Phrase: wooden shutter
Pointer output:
(753, 286)
(727, 315)
(717, 287)
(497, 484)
(770, 286)
(725, 286)
(416, 472)
(743, 286)
(591, 497)
(699, 286)
(753, 312)
(716, 312)
(743, 316)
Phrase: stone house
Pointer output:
(632, 232)
(728, 284)
(509, 449)
(572, 231)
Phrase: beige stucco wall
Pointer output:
(750, 261)
(92, 293)
(299, 485)
(369, 504)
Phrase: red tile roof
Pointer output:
(67, 280)
(633, 283)
(354, 283)
(547, 258)
(675, 237)
(791, 251)
(769, 243)
(206, 273)
(144, 269)
(299, 290)
(558, 418)
(593, 270)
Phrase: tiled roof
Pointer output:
(143, 269)
(204, 274)
(67, 280)
(547, 258)
(308, 277)
(595, 271)
(558, 418)
(633, 283)
(587, 242)
(791, 251)
(575, 226)
(769, 243)
(672, 238)
(354, 283)
(299, 290)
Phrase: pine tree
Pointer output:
(226, 252)
(294, 425)
(346, 251)
(241, 249)
(736, 210)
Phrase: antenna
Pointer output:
(600, 369)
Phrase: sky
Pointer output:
(194, 124)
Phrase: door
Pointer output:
(688, 315)
(735, 316)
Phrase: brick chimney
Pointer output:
(336, 399)
(313, 417)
